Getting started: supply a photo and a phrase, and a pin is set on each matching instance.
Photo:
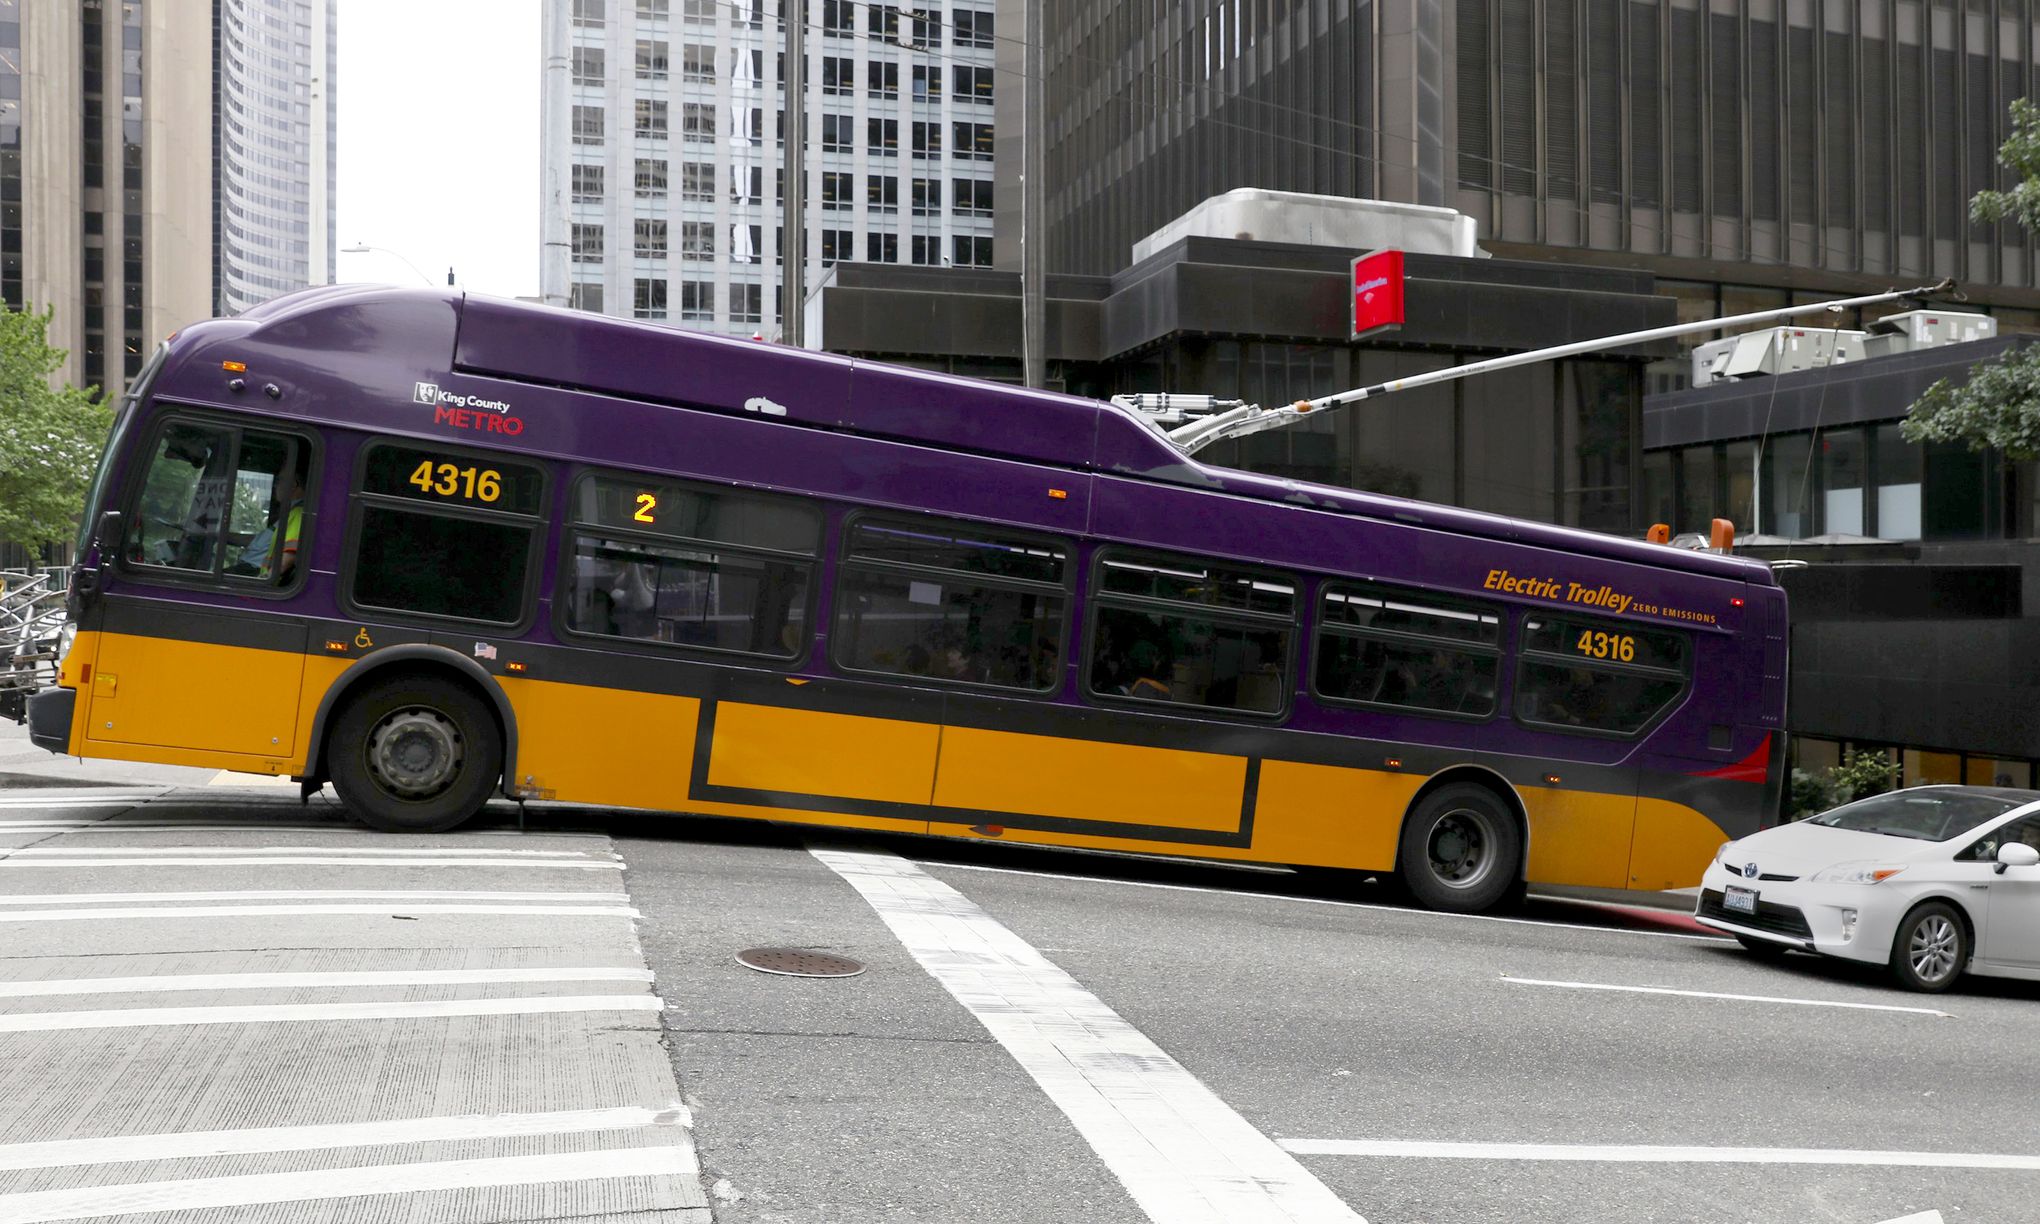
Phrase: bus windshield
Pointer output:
(137, 391)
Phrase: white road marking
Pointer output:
(1360, 905)
(121, 825)
(314, 894)
(308, 981)
(1649, 1154)
(128, 1149)
(1180, 1151)
(1739, 998)
(227, 777)
(1920, 1217)
(219, 911)
(205, 1192)
(302, 860)
(274, 1013)
(370, 852)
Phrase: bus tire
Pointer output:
(414, 754)
(1460, 851)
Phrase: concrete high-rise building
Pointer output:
(157, 166)
(275, 148)
(104, 178)
(662, 158)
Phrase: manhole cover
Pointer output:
(798, 962)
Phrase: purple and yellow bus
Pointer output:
(433, 549)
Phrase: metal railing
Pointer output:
(31, 618)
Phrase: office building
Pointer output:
(663, 161)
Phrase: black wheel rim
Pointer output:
(414, 753)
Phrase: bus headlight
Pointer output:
(65, 636)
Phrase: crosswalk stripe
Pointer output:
(307, 981)
(169, 912)
(277, 1013)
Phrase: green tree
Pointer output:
(49, 438)
(1999, 406)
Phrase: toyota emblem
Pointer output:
(1749, 871)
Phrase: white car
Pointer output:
(1932, 881)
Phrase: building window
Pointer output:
(836, 133)
(971, 197)
(969, 29)
(654, 10)
(927, 250)
(972, 84)
(839, 17)
(651, 119)
(651, 178)
(746, 244)
(927, 139)
(697, 300)
(649, 301)
(745, 303)
(882, 135)
(651, 238)
(584, 295)
(927, 28)
(697, 63)
(882, 248)
(927, 83)
(697, 240)
(972, 252)
(651, 60)
(838, 246)
(839, 189)
(697, 181)
(588, 125)
(697, 121)
(702, 12)
(972, 140)
(587, 65)
(927, 198)
(882, 193)
(587, 184)
(839, 75)
(588, 13)
(882, 21)
(882, 80)
(587, 243)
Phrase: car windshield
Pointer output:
(1923, 815)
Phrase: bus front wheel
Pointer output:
(1460, 850)
(414, 754)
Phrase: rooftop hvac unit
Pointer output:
(1775, 350)
(1923, 329)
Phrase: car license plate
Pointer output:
(1740, 900)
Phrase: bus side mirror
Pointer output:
(1721, 537)
(106, 536)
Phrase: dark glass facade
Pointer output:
(10, 155)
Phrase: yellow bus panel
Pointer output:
(1672, 847)
(194, 695)
(1102, 783)
(1330, 815)
(845, 756)
(611, 747)
(1579, 837)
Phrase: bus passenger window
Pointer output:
(952, 602)
(708, 568)
(1186, 632)
(445, 534)
(1381, 646)
(1583, 674)
(218, 500)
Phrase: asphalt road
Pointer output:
(1035, 1037)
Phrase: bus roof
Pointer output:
(433, 332)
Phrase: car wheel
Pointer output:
(1930, 949)
(415, 754)
(1763, 949)
(1460, 850)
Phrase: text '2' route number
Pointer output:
(449, 480)
(646, 503)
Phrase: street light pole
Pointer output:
(363, 248)
(793, 211)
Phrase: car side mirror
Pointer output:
(2016, 854)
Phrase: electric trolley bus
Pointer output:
(434, 549)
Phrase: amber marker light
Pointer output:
(1393, 762)
(513, 667)
(337, 647)
(234, 367)
(1059, 494)
(1551, 779)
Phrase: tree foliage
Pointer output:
(1999, 406)
(1859, 776)
(49, 438)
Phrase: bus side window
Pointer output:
(1384, 646)
(221, 501)
(1593, 675)
(1191, 632)
(445, 533)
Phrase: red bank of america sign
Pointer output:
(1377, 292)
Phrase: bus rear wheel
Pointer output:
(1460, 850)
(414, 754)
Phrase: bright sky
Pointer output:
(439, 142)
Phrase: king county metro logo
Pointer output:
(425, 393)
